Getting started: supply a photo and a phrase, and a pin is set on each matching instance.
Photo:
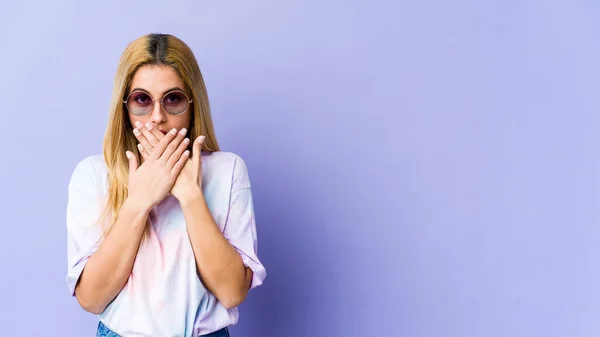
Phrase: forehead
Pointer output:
(156, 79)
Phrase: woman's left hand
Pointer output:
(189, 182)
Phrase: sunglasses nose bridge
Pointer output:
(157, 113)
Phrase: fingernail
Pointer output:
(183, 132)
(138, 124)
(140, 147)
(136, 132)
(174, 131)
(148, 126)
(186, 153)
(128, 154)
(187, 140)
(201, 139)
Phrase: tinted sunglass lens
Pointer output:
(175, 102)
(139, 103)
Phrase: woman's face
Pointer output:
(156, 81)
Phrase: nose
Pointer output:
(158, 116)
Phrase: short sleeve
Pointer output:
(84, 207)
(240, 227)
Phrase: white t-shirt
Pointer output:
(163, 295)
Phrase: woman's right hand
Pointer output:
(150, 182)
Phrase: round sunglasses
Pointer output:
(140, 103)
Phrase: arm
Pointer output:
(223, 271)
(108, 269)
(226, 262)
(98, 273)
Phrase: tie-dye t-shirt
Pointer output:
(163, 295)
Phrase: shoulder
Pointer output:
(88, 169)
(226, 165)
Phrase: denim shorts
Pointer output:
(103, 331)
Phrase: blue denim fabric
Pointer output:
(103, 331)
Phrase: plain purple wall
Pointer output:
(420, 168)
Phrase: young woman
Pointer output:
(161, 229)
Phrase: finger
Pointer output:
(173, 145)
(133, 163)
(147, 131)
(155, 132)
(180, 163)
(143, 140)
(143, 151)
(141, 137)
(162, 144)
(197, 150)
(177, 154)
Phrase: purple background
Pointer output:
(420, 168)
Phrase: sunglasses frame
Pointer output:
(189, 101)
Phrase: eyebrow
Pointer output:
(164, 92)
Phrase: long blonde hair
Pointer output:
(151, 49)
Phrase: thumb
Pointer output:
(133, 162)
(197, 149)
(196, 153)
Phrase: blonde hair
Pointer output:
(151, 49)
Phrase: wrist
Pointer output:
(136, 207)
(191, 197)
